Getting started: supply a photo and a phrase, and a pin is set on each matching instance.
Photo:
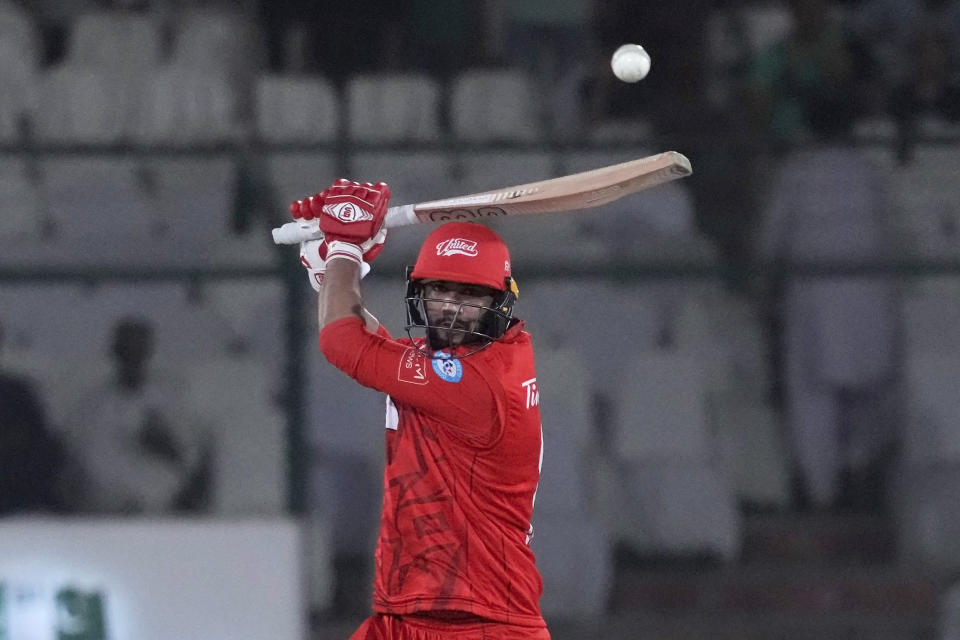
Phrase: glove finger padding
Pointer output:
(307, 209)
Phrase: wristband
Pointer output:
(344, 251)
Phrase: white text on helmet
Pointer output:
(457, 246)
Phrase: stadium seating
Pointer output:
(949, 627)
(243, 313)
(183, 106)
(127, 43)
(19, 63)
(83, 104)
(393, 107)
(235, 395)
(576, 584)
(20, 203)
(753, 456)
(296, 109)
(926, 508)
(100, 213)
(932, 433)
(664, 489)
(931, 314)
(925, 192)
(194, 198)
(672, 509)
(569, 439)
(494, 106)
(218, 41)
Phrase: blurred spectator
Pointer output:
(931, 90)
(32, 460)
(889, 30)
(138, 441)
(814, 62)
(829, 207)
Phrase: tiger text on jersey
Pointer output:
(533, 393)
(457, 246)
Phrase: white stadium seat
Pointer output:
(184, 106)
(124, 42)
(83, 104)
(100, 212)
(662, 409)
(194, 199)
(19, 64)
(217, 41)
(247, 316)
(235, 396)
(575, 559)
(949, 627)
(22, 216)
(494, 106)
(753, 456)
(296, 109)
(931, 314)
(926, 193)
(932, 431)
(671, 508)
(393, 107)
(569, 444)
(926, 507)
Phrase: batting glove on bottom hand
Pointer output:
(313, 256)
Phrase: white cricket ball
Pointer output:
(630, 63)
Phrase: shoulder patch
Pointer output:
(413, 367)
(447, 367)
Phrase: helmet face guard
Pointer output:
(491, 325)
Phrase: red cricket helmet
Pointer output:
(464, 252)
(469, 253)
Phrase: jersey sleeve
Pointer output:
(454, 391)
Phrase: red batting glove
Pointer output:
(350, 216)
(347, 211)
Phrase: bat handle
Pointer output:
(297, 231)
(400, 216)
(302, 230)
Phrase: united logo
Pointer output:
(457, 246)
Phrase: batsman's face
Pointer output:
(455, 308)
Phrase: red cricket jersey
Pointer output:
(463, 460)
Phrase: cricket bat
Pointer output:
(566, 193)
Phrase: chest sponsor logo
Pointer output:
(413, 367)
(447, 368)
(533, 392)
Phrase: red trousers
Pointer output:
(387, 627)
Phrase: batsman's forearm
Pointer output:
(340, 294)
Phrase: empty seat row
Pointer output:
(173, 104)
